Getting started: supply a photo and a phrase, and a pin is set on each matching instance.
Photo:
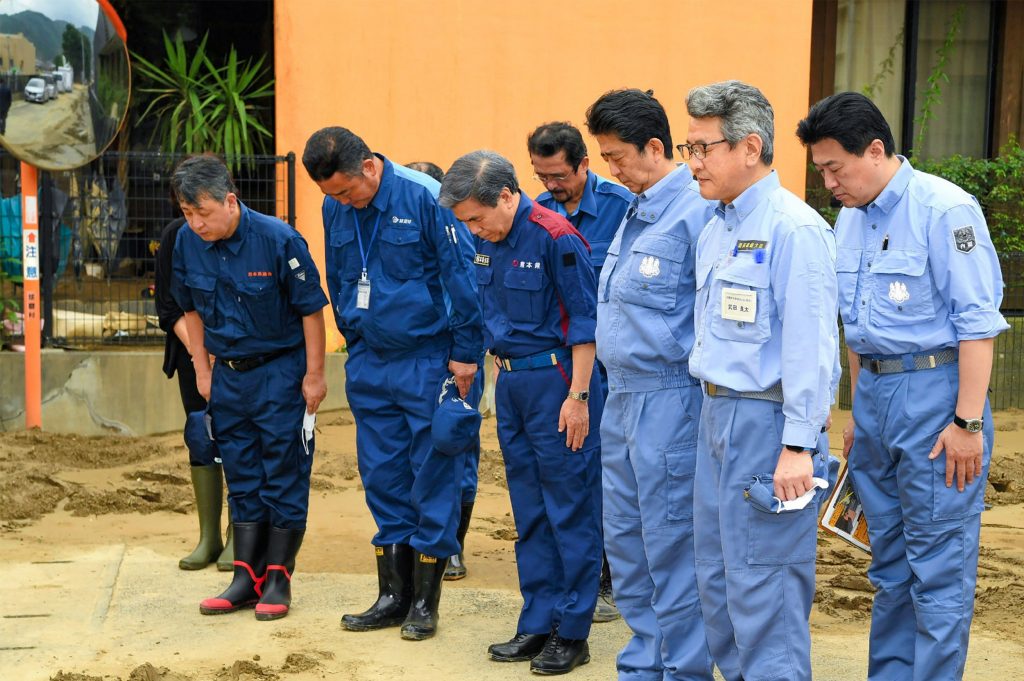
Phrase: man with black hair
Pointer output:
(919, 295)
(649, 427)
(595, 207)
(427, 168)
(251, 295)
(399, 270)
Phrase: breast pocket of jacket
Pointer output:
(204, 297)
(524, 293)
(264, 307)
(742, 280)
(848, 274)
(902, 288)
(344, 254)
(400, 252)
(654, 269)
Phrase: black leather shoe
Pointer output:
(561, 655)
(521, 648)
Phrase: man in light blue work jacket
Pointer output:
(649, 430)
(919, 295)
(766, 351)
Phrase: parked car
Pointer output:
(35, 90)
(51, 85)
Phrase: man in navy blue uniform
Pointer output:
(538, 289)
(919, 295)
(251, 296)
(594, 206)
(399, 269)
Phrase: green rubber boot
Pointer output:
(226, 562)
(208, 483)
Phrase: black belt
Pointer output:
(250, 363)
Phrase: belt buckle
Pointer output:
(231, 364)
(554, 359)
(506, 364)
(711, 389)
(875, 365)
(931, 361)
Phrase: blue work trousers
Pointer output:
(755, 570)
(556, 500)
(412, 490)
(924, 535)
(257, 427)
(648, 456)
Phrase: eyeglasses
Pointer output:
(544, 179)
(697, 150)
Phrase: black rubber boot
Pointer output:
(226, 561)
(428, 573)
(250, 571)
(208, 484)
(282, 547)
(457, 564)
(394, 579)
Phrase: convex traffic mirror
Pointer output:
(64, 80)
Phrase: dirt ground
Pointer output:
(91, 530)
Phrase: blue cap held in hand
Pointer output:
(201, 449)
(456, 424)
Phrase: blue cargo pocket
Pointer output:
(680, 463)
(344, 254)
(655, 265)
(778, 538)
(902, 292)
(848, 272)
(262, 304)
(523, 291)
(204, 297)
(746, 274)
(400, 252)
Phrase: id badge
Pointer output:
(363, 294)
(739, 305)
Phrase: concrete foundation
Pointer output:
(113, 393)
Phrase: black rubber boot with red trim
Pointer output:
(282, 547)
(250, 571)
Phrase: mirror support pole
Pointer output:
(30, 247)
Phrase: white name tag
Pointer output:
(739, 305)
(363, 294)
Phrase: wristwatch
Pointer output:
(583, 396)
(795, 448)
(970, 425)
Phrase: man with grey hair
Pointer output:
(251, 296)
(767, 354)
(538, 291)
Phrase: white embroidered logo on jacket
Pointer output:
(650, 266)
(898, 292)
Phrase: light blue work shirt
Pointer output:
(645, 295)
(598, 214)
(769, 242)
(917, 269)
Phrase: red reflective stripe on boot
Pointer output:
(282, 568)
(257, 582)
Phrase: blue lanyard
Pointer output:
(359, 237)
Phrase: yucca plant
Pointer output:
(202, 107)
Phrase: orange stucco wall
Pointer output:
(430, 80)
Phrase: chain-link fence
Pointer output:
(100, 228)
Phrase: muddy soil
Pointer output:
(66, 493)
